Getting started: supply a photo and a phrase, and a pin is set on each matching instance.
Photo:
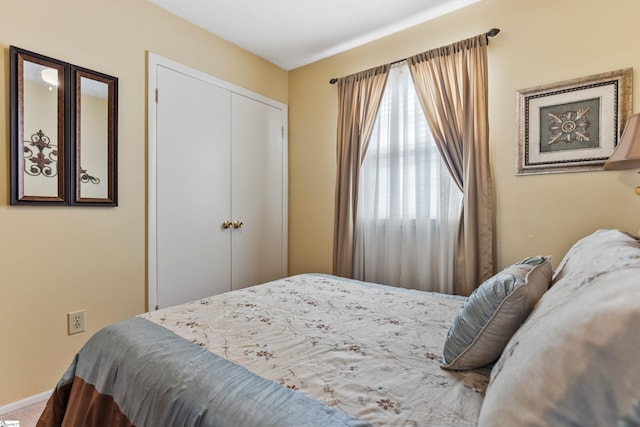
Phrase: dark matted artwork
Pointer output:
(570, 126)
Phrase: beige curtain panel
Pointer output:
(451, 82)
(359, 98)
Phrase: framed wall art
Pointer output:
(574, 125)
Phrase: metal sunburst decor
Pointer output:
(570, 126)
(43, 157)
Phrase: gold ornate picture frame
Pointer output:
(574, 125)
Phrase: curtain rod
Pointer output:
(491, 33)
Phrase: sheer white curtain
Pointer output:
(408, 206)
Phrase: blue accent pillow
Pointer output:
(494, 312)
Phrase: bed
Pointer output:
(319, 350)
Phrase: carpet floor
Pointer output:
(27, 416)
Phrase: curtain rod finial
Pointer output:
(333, 81)
(493, 32)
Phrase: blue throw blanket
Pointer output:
(138, 373)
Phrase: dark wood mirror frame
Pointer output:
(45, 149)
(81, 175)
(50, 130)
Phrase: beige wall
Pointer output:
(55, 259)
(541, 42)
(59, 259)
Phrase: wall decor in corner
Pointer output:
(64, 121)
(574, 125)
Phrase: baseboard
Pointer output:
(25, 402)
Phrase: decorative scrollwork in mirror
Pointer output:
(40, 156)
(63, 125)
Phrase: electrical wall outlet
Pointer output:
(75, 322)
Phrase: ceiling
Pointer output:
(293, 33)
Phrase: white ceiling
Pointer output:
(292, 33)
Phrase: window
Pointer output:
(409, 205)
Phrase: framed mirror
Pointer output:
(39, 136)
(63, 132)
(95, 149)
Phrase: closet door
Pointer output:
(258, 177)
(217, 154)
(193, 189)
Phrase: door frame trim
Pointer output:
(153, 62)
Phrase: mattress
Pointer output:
(369, 350)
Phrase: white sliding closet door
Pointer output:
(257, 198)
(193, 188)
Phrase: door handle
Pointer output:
(237, 224)
(226, 224)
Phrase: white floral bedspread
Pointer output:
(373, 351)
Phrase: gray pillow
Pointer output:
(494, 312)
